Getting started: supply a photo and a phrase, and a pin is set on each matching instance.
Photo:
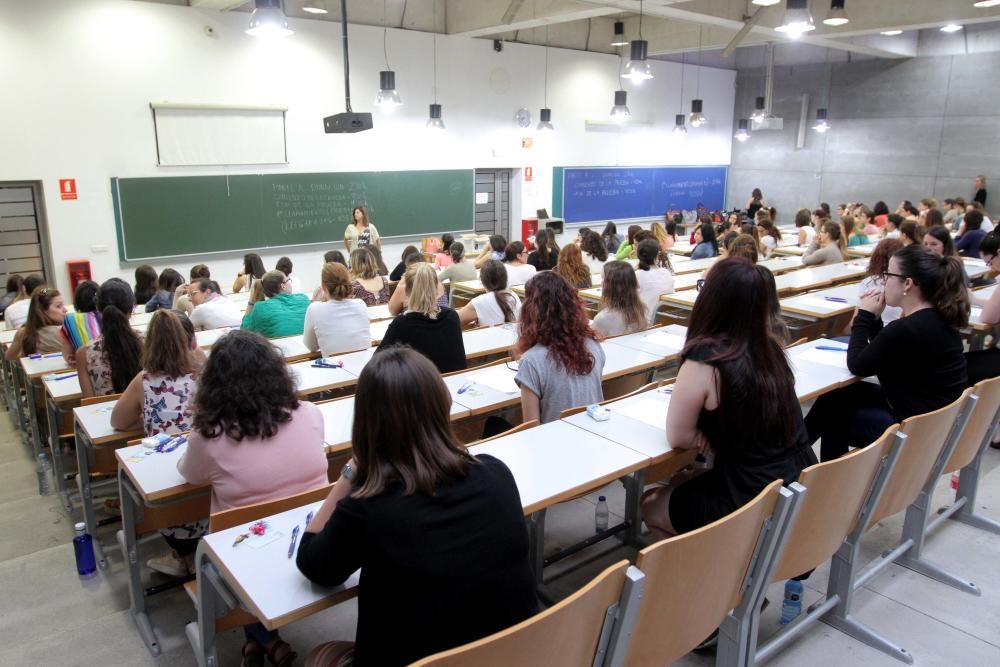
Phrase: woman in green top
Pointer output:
(281, 313)
(625, 249)
(857, 229)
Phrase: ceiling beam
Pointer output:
(483, 18)
(221, 5)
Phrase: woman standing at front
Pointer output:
(361, 233)
(731, 358)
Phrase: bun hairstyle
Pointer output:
(122, 345)
(457, 251)
(941, 281)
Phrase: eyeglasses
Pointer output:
(886, 274)
(991, 258)
(699, 284)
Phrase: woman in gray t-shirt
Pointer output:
(561, 362)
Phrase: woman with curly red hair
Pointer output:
(560, 361)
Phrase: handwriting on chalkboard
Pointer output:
(299, 206)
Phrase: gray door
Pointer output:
(20, 240)
(493, 189)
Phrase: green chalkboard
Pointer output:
(191, 215)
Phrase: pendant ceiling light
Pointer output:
(765, 3)
(797, 19)
(620, 112)
(619, 36)
(434, 120)
(821, 125)
(545, 115)
(314, 7)
(267, 20)
(697, 118)
(638, 68)
(837, 14)
(743, 132)
(387, 97)
(679, 128)
(759, 109)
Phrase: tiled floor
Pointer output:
(48, 616)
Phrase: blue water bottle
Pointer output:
(792, 605)
(83, 547)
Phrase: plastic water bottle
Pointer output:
(792, 605)
(44, 470)
(83, 547)
(601, 515)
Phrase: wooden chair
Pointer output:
(840, 494)
(693, 580)
(572, 633)
(804, 339)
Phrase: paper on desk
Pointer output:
(824, 304)
(826, 357)
(664, 339)
(976, 313)
(648, 411)
(499, 378)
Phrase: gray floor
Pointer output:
(51, 617)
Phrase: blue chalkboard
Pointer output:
(589, 194)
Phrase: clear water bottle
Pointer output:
(44, 470)
(83, 548)
(601, 515)
(792, 605)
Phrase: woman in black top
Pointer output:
(438, 534)
(917, 358)
(408, 251)
(425, 326)
(734, 395)
(546, 256)
(755, 203)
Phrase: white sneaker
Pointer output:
(169, 564)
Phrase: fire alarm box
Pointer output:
(79, 270)
(529, 227)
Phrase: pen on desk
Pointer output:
(831, 348)
(63, 377)
(465, 387)
(52, 355)
(295, 536)
(309, 518)
(835, 298)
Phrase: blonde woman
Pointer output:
(665, 240)
(366, 282)
(425, 326)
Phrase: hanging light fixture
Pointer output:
(837, 14)
(620, 112)
(951, 27)
(434, 120)
(545, 115)
(986, 3)
(797, 19)
(697, 118)
(743, 132)
(619, 36)
(759, 109)
(314, 7)
(765, 3)
(268, 20)
(679, 128)
(638, 69)
(891, 33)
(821, 125)
(387, 97)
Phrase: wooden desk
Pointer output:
(30, 372)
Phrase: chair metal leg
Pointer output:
(132, 512)
(633, 511)
(853, 628)
(536, 544)
(914, 530)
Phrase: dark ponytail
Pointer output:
(457, 252)
(122, 345)
(941, 281)
(493, 275)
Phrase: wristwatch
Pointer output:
(347, 472)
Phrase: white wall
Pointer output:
(80, 75)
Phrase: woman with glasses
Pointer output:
(281, 313)
(918, 358)
(878, 264)
(985, 364)
(515, 261)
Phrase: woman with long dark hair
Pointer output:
(627, 249)
(545, 256)
(828, 247)
(572, 268)
(166, 288)
(498, 305)
(595, 252)
(621, 310)
(705, 242)
(918, 358)
(612, 239)
(654, 278)
(145, 283)
(938, 240)
(40, 334)
(560, 361)
(109, 363)
(735, 396)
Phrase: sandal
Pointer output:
(253, 654)
(280, 653)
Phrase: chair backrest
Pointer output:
(977, 428)
(800, 341)
(91, 400)
(505, 360)
(693, 580)
(520, 427)
(828, 512)
(238, 515)
(925, 437)
(564, 635)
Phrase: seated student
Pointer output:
(934, 217)
(665, 238)
(804, 227)
(442, 258)
(571, 267)
(182, 300)
(253, 441)
(338, 323)
(911, 232)
(731, 358)
(891, 228)
(145, 284)
(545, 256)
(622, 311)
(855, 231)
(829, 246)
(83, 324)
(561, 363)
(769, 236)
(17, 312)
(281, 313)
(612, 239)
(516, 262)
(968, 243)
(724, 243)
(334, 256)
(284, 265)
(743, 246)
(498, 305)
(654, 279)
(595, 252)
(366, 282)
(938, 240)
(253, 270)
(106, 365)
(864, 216)
(159, 400)
(14, 283)
(626, 250)
(397, 302)
(705, 243)
(166, 286)
(460, 269)
(400, 268)
(211, 309)
(425, 326)
(880, 214)
(985, 364)
(878, 264)
(496, 250)
(408, 510)
(40, 334)
(918, 358)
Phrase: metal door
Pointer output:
(20, 236)
(493, 202)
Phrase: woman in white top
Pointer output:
(211, 309)
(516, 263)
(803, 223)
(595, 251)
(498, 305)
(339, 324)
(769, 236)
(17, 312)
(622, 312)
(654, 279)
